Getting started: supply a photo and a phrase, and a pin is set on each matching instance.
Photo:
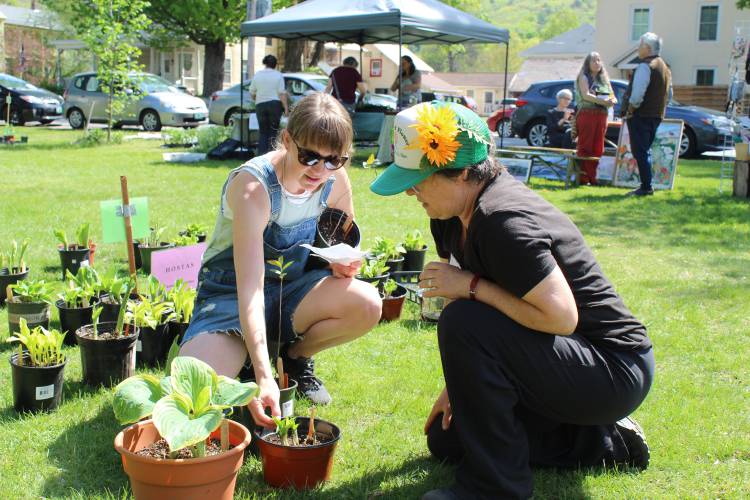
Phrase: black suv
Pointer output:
(28, 103)
(705, 129)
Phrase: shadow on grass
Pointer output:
(85, 457)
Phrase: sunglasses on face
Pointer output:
(311, 158)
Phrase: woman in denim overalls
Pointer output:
(269, 207)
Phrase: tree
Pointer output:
(743, 4)
(110, 29)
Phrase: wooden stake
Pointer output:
(128, 227)
(280, 371)
(9, 292)
(224, 434)
(311, 427)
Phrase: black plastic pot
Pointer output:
(414, 260)
(178, 330)
(378, 281)
(7, 277)
(71, 259)
(35, 313)
(73, 318)
(153, 345)
(330, 229)
(201, 236)
(36, 388)
(110, 311)
(395, 265)
(107, 361)
(137, 254)
(146, 254)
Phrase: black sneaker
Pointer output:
(303, 371)
(641, 192)
(635, 440)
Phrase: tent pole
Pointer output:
(400, 69)
(242, 97)
(505, 89)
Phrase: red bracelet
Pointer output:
(473, 287)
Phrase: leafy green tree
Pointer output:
(111, 29)
(743, 4)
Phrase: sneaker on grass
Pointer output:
(303, 371)
(635, 440)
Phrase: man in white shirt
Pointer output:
(269, 92)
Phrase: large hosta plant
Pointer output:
(187, 405)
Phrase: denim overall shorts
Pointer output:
(216, 305)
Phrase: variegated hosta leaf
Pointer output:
(190, 376)
(174, 422)
(233, 393)
(136, 397)
(166, 385)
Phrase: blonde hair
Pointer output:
(320, 121)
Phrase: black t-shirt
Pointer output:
(345, 79)
(555, 132)
(516, 238)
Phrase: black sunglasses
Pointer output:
(311, 158)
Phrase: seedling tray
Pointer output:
(410, 281)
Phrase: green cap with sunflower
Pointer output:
(429, 137)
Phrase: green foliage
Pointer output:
(210, 137)
(154, 236)
(33, 291)
(195, 230)
(179, 136)
(279, 267)
(389, 287)
(129, 286)
(145, 313)
(61, 237)
(155, 290)
(743, 4)
(373, 268)
(182, 297)
(286, 427)
(44, 346)
(413, 240)
(386, 248)
(81, 288)
(97, 137)
(187, 405)
(12, 260)
(184, 240)
(95, 313)
(82, 237)
(116, 287)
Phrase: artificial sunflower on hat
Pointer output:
(437, 128)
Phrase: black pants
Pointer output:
(269, 115)
(642, 132)
(521, 398)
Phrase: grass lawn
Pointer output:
(680, 260)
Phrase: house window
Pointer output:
(489, 97)
(269, 41)
(641, 22)
(704, 77)
(709, 23)
(227, 70)
(470, 93)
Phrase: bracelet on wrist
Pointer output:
(473, 287)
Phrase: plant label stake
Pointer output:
(280, 371)
(128, 226)
(224, 434)
(311, 428)
(9, 292)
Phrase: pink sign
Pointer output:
(174, 263)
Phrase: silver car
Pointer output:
(225, 103)
(156, 103)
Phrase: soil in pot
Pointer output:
(302, 467)
(35, 313)
(146, 254)
(73, 318)
(107, 359)
(414, 260)
(73, 258)
(160, 450)
(9, 277)
(334, 227)
(36, 388)
(286, 405)
(393, 305)
(211, 477)
(153, 345)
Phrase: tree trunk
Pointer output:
(452, 62)
(317, 53)
(213, 67)
(293, 55)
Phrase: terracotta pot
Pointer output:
(181, 479)
(301, 468)
(92, 251)
(392, 305)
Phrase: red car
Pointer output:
(499, 120)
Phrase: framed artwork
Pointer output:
(376, 67)
(520, 168)
(664, 156)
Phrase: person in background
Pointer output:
(644, 104)
(558, 121)
(345, 81)
(411, 83)
(269, 93)
(594, 95)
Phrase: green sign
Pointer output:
(113, 219)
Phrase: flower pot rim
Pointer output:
(259, 434)
(15, 300)
(58, 301)
(162, 244)
(424, 248)
(78, 248)
(136, 330)
(14, 356)
(11, 275)
(120, 437)
(378, 277)
(397, 297)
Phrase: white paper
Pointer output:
(337, 254)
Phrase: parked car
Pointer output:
(499, 120)
(156, 103)
(28, 102)
(460, 99)
(704, 129)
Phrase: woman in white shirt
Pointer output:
(269, 93)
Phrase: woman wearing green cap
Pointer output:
(542, 361)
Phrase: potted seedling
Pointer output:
(389, 251)
(113, 293)
(415, 250)
(152, 318)
(187, 449)
(393, 300)
(108, 349)
(184, 240)
(151, 244)
(196, 230)
(287, 386)
(182, 297)
(76, 302)
(374, 271)
(30, 300)
(334, 227)
(12, 267)
(74, 254)
(37, 368)
(300, 453)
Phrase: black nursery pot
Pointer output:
(378, 281)
(35, 313)
(414, 260)
(107, 361)
(9, 278)
(330, 230)
(395, 265)
(137, 254)
(153, 345)
(110, 310)
(146, 254)
(36, 388)
(72, 259)
(73, 318)
(178, 330)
